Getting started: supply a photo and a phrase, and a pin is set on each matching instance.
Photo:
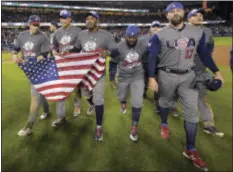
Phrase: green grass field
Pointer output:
(72, 147)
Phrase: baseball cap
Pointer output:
(155, 24)
(132, 30)
(194, 12)
(174, 5)
(214, 85)
(65, 13)
(34, 19)
(93, 13)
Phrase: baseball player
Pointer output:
(155, 27)
(176, 45)
(34, 45)
(195, 18)
(63, 42)
(88, 40)
(131, 75)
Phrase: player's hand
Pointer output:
(218, 75)
(16, 59)
(55, 53)
(39, 58)
(104, 53)
(153, 85)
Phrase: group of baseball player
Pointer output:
(171, 61)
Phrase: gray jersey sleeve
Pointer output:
(77, 43)
(55, 44)
(111, 43)
(45, 46)
(17, 44)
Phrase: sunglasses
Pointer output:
(35, 24)
(62, 17)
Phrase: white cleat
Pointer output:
(77, 111)
(91, 110)
(44, 115)
(25, 132)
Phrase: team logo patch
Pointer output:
(66, 39)
(90, 46)
(131, 57)
(182, 43)
(28, 46)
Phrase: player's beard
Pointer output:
(176, 20)
(131, 44)
(91, 25)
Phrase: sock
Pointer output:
(191, 132)
(99, 114)
(163, 114)
(135, 116)
(90, 101)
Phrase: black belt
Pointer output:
(180, 72)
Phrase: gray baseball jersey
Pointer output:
(89, 41)
(129, 61)
(32, 45)
(65, 38)
(199, 67)
(178, 47)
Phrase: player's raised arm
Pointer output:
(207, 59)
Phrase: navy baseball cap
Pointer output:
(174, 5)
(155, 24)
(34, 19)
(214, 85)
(132, 30)
(93, 14)
(194, 12)
(65, 13)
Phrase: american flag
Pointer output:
(57, 77)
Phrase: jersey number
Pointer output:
(189, 53)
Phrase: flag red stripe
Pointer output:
(74, 68)
(87, 80)
(71, 77)
(76, 59)
(56, 86)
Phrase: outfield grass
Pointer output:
(72, 147)
(223, 41)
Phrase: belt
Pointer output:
(180, 72)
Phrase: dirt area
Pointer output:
(222, 55)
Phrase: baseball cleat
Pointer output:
(194, 156)
(91, 110)
(174, 112)
(164, 132)
(98, 134)
(44, 115)
(113, 84)
(25, 132)
(58, 121)
(123, 108)
(212, 130)
(77, 111)
(133, 135)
